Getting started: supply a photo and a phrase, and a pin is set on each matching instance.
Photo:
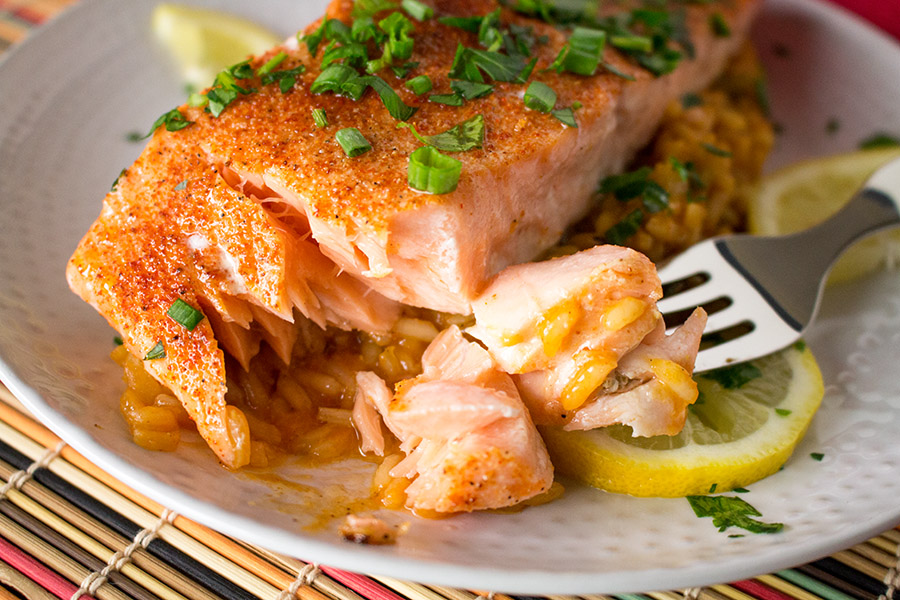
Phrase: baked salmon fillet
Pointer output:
(246, 220)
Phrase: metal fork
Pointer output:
(762, 292)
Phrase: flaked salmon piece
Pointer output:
(470, 441)
(372, 395)
(656, 386)
(575, 328)
(517, 194)
(173, 228)
(566, 322)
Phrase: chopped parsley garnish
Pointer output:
(716, 151)
(688, 174)
(403, 70)
(352, 142)
(286, 78)
(468, 135)
(173, 120)
(637, 184)
(879, 140)
(624, 229)
(448, 99)
(712, 488)
(731, 511)
(566, 116)
(719, 25)
(817, 456)
(367, 8)
(184, 314)
(470, 90)
(471, 64)
(156, 352)
(115, 184)
(740, 490)
(782, 412)
(271, 64)
(432, 172)
(762, 96)
(734, 376)
(118, 341)
(800, 345)
(582, 53)
(691, 100)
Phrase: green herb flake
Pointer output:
(637, 184)
(134, 136)
(181, 185)
(817, 456)
(712, 488)
(716, 151)
(736, 535)
(719, 25)
(448, 99)
(184, 314)
(173, 120)
(879, 140)
(731, 511)
(320, 118)
(566, 116)
(734, 376)
(740, 490)
(417, 10)
(271, 64)
(624, 229)
(286, 78)
(470, 63)
(783, 412)
(800, 345)
(691, 100)
(352, 142)
(156, 352)
(115, 184)
(468, 135)
(403, 70)
(118, 341)
(469, 90)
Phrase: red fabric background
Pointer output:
(883, 13)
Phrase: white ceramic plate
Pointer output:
(71, 94)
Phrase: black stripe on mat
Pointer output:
(837, 583)
(128, 529)
(849, 574)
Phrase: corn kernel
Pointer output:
(556, 324)
(593, 368)
(675, 379)
(623, 313)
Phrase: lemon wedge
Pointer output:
(733, 435)
(204, 42)
(806, 193)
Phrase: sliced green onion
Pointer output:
(184, 314)
(432, 172)
(417, 10)
(156, 352)
(448, 99)
(419, 85)
(320, 117)
(540, 97)
(583, 52)
(174, 120)
(470, 90)
(636, 43)
(332, 78)
(352, 141)
(271, 64)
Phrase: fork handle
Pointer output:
(875, 207)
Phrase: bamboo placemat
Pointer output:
(70, 530)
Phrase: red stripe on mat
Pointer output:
(362, 585)
(37, 571)
(760, 590)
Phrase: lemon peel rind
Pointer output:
(614, 466)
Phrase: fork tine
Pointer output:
(759, 342)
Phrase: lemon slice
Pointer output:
(206, 41)
(732, 437)
(806, 193)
